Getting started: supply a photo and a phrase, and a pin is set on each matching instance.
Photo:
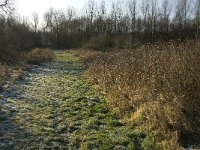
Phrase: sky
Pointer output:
(27, 7)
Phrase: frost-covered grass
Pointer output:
(55, 107)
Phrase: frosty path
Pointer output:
(54, 107)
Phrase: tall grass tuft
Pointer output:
(155, 88)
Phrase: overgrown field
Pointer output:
(155, 88)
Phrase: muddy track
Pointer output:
(54, 107)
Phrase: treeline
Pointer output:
(16, 34)
(126, 23)
(99, 25)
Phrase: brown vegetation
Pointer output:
(10, 72)
(38, 56)
(101, 42)
(155, 88)
(87, 56)
(3, 74)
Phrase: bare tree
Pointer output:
(71, 13)
(70, 21)
(153, 17)
(197, 16)
(55, 22)
(101, 17)
(5, 6)
(145, 12)
(35, 21)
(182, 12)
(165, 16)
(116, 15)
(4, 3)
(132, 9)
(91, 14)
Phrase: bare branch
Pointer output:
(4, 3)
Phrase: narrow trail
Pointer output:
(54, 107)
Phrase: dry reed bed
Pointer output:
(154, 88)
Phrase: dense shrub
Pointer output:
(38, 56)
(155, 88)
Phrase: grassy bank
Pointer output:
(155, 88)
(12, 65)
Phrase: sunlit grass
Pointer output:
(155, 88)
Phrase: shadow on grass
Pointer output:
(12, 135)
